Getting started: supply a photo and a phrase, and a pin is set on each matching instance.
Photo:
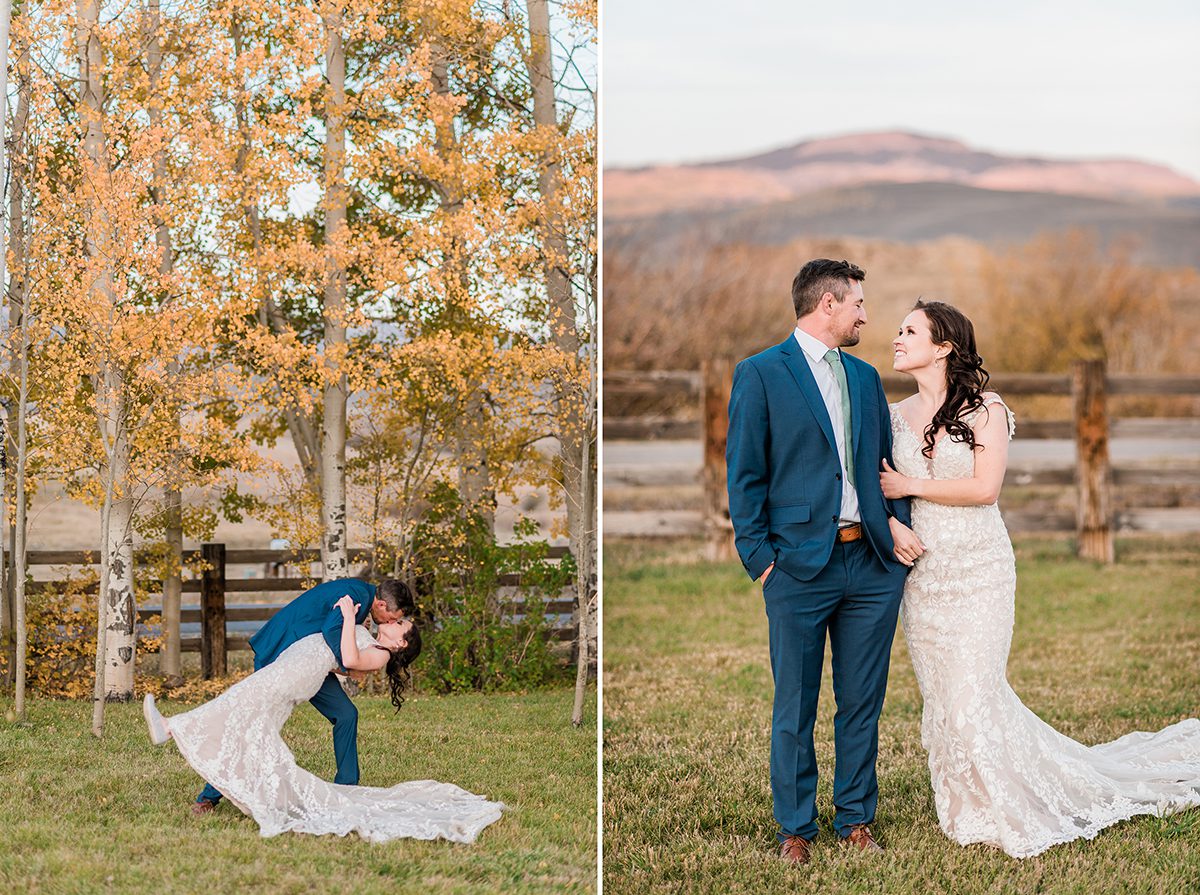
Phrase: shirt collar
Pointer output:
(813, 347)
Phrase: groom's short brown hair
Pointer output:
(396, 595)
(820, 276)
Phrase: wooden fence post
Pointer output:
(717, 377)
(1093, 471)
(212, 611)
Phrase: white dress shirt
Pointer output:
(831, 394)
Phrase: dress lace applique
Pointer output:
(1001, 775)
(233, 742)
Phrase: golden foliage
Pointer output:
(195, 357)
(61, 623)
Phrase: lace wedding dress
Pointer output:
(234, 743)
(1000, 774)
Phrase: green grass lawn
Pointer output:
(79, 814)
(1097, 652)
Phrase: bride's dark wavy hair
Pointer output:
(399, 677)
(966, 379)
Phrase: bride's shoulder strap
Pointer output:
(990, 398)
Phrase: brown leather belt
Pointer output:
(849, 533)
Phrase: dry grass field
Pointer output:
(1097, 652)
(112, 816)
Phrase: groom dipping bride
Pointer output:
(234, 741)
(821, 476)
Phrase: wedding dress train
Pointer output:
(234, 742)
(1000, 774)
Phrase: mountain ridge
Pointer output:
(1155, 233)
(880, 157)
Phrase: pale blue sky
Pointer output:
(686, 80)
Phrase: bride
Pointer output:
(234, 742)
(1000, 775)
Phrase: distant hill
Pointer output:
(917, 212)
(853, 160)
(904, 188)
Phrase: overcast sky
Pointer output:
(684, 80)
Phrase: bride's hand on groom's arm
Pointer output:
(907, 546)
(893, 484)
(348, 606)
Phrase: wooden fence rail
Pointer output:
(214, 641)
(1093, 475)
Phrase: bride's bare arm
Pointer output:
(981, 489)
(354, 659)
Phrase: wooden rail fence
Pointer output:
(212, 614)
(1093, 474)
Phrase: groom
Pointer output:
(808, 430)
(315, 611)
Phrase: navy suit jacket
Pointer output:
(313, 612)
(783, 471)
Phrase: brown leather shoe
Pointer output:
(860, 837)
(795, 849)
(201, 807)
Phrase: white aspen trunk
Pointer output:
(8, 639)
(589, 550)
(172, 592)
(585, 576)
(120, 611)
(19, 564)
(5, 22)
(115, 636)
(554, 240)
(16, 222)
(20, 299)
(573, 435)
(334, 556)
(101, 614)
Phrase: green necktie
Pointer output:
(839, 373)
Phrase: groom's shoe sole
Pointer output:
(796, 849)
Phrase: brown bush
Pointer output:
(1037, 306)
(61, 626)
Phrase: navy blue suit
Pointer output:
(315, 611)
(785, 494)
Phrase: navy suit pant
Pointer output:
(854, 600)
(332, 702)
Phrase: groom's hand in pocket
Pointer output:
(906, 545)
(762, 579)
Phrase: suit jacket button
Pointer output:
(835, 518)
(838, 476)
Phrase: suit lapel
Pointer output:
(797, 364)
